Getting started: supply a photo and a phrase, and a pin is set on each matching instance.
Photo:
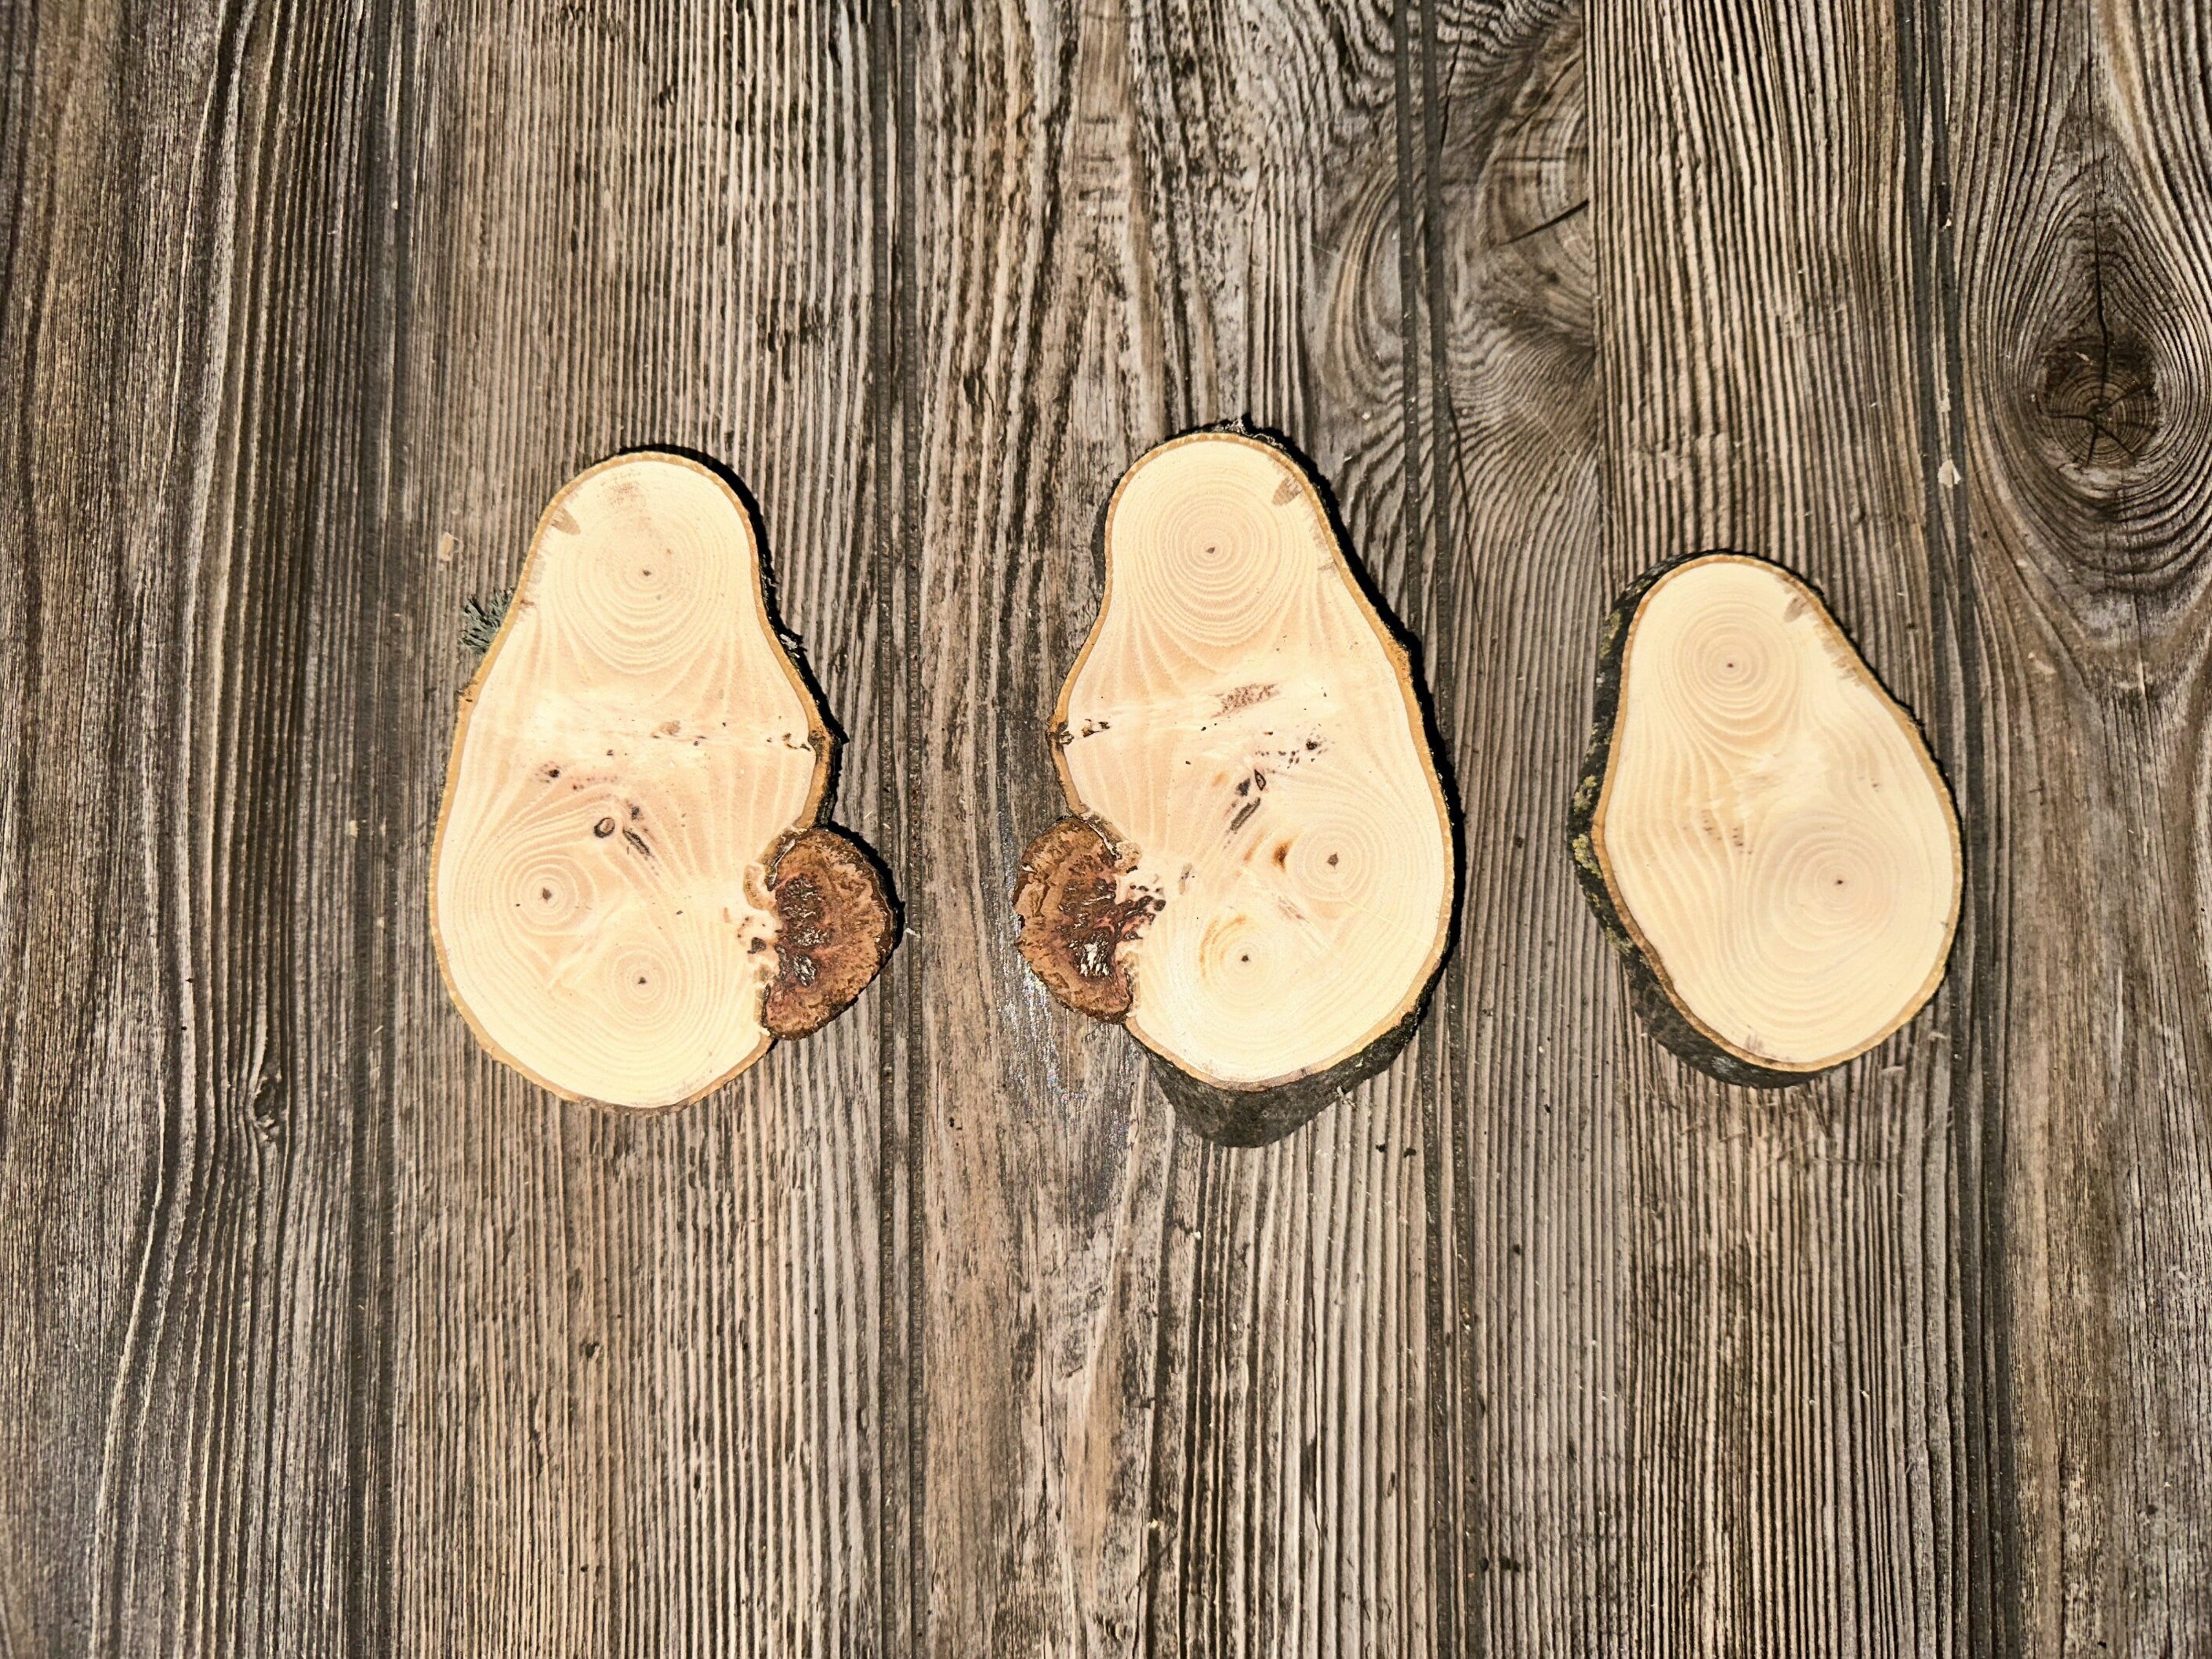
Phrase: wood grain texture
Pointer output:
(197, 1394)
(1211, 1437)
(637, 1368)
(322, 1334)
(936, 1333)
(1799, 1371)
(2080, 337)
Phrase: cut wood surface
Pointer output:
(323, 1331)
(1247, 731)
(636, 763)
(1760, 826)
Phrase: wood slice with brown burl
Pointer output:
(1759, 826)
(630, 896)
(1256, 876)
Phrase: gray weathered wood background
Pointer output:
(320, 1333)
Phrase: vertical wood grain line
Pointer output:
(1430, 465)
(896, 1632)
(904, 1107)
(1988, 1532)
(370, 1540)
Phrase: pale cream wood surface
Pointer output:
(1245, 723)
(633, 748)
(1777, 837)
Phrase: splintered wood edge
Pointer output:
(1651, 989)
(819, 737)
(1344, 1064)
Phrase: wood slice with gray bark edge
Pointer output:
(1759, 826)
(630, 897)
(1257, 878)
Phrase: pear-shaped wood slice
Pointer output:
(1760, 825)
(629, 893)
(1259, 880)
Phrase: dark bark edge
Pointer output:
(1255, 1117)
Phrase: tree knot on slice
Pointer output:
(1075, 918)
(834, 930)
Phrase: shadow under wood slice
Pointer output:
(1759, 826)
(1257, 876)
(629, 898)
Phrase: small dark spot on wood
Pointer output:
(604, 828)
(637, 841)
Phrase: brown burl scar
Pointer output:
(834, 930)
(1074, 918)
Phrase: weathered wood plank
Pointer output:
(1038, 1152)
(188, 1206)
(637, 1363)
(2081, 366)
(322, 1333)
(1290, 1468)
(1211, 1434)
(1789, 1368)
(1527, 1193)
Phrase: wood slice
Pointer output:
(1259, 878)
(629, 894)
(1760, 825)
